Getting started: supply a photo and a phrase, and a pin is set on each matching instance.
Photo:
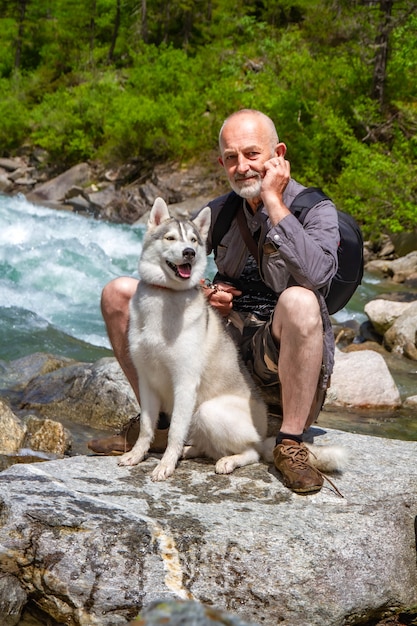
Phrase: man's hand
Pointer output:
(276, 178)
(220, 296)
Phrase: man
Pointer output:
(280, 321)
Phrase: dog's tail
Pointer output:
(328, 458)
(325, 458)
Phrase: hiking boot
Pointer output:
(292, 461)
(124, 440)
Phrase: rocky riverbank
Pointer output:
(123, 195)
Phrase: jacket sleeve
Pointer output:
(309, 251)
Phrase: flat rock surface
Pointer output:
(95, 542)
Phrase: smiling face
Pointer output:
(247, 140)
(174, 252)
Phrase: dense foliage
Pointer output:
(121, 79)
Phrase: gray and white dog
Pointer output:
(187, 364)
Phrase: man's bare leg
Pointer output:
(297, 326)
(115, 300)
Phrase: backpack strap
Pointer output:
(305, 200)
(233, 207)
(248, 238)
(225, 219)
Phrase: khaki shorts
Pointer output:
(260, 354)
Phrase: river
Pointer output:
(53, 266)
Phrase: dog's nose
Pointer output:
(188, 254)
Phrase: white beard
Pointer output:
(247, 189)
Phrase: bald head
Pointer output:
(259, 122)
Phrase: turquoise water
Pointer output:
(53, 266)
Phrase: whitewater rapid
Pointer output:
(53, 266)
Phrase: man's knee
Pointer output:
(297, 307)
(117, 294)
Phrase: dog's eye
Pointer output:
(193, 239)
(170, 237)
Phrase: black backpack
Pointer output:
(350, 253)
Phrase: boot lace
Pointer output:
(299, 456)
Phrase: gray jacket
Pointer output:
(297, 254)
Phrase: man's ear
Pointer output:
(220, 160)
(280, 149)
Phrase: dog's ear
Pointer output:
(159, 213)
(203, 221)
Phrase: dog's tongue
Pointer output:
(184, 270)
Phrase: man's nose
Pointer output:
(242, 163)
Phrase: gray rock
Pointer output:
(94, 543)
(56, 189)
(79, 204)
(25, 181)
(18, 173)
(103, 197)
(149, 192)
(10, 165)
(18, 373)
(401, 337)
(96, 394)
(12, 598)
(397, 323)
(383, 313)
(6, 185)
(411, 401)
(406, 263)
(12, 431)
(362, 379)
(397, 269)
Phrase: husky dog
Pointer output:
(187, 364)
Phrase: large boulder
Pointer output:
(96, 394)
(30, 433)
(382, 313)
(15, 375)
(52, 193)
(92, 543)
(401, 337)
(396, 322)
(362, 380)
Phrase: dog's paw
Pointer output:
(162, 471)
(130, 458)
(226, 465)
